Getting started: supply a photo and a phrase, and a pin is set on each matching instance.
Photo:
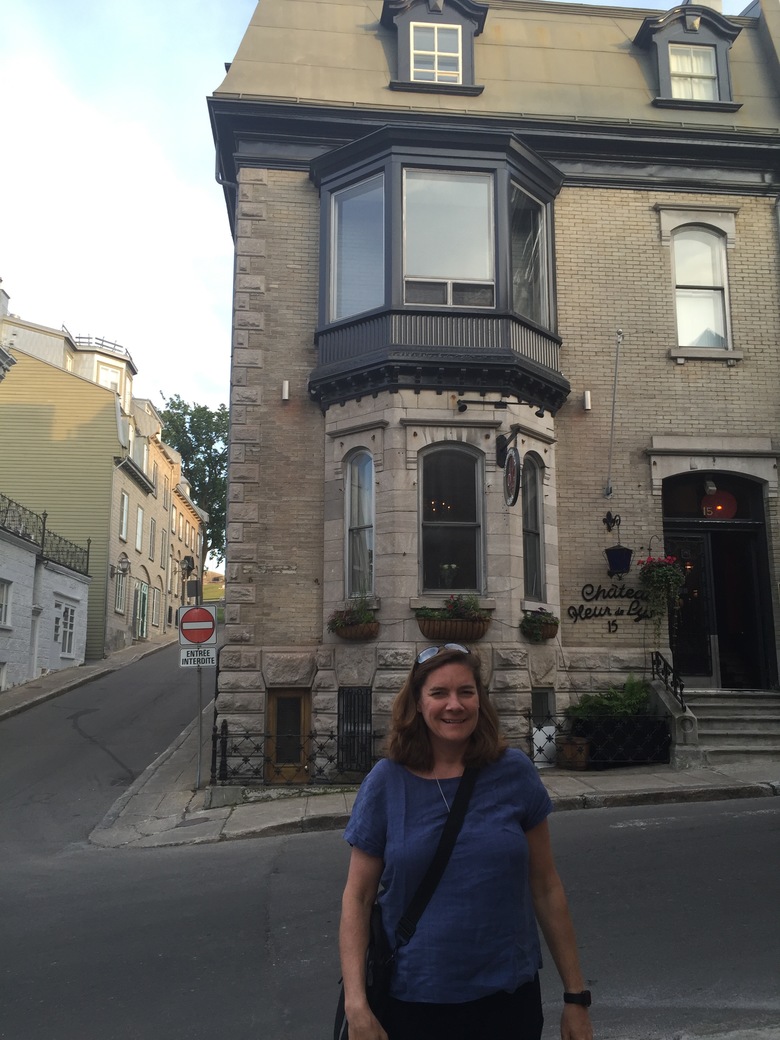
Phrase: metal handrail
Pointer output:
(665, 672)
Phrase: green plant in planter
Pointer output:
(618, 727)
(358, 612)
(661, 579)
(538, 625)
(629, 699)
(455, 608)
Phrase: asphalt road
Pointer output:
(676, 906)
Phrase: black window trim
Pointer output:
(691, 25)
(468, 15)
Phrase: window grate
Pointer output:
(354, 730)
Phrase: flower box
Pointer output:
(452, 630)
(366, 630)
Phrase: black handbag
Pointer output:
(380, 957)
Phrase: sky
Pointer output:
(111, 221)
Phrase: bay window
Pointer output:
(358, 257)
(529, 256)
(449, 242)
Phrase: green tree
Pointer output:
(200, 435)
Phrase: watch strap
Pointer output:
(583, 998)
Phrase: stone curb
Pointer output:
(119, 806)
(177, 835)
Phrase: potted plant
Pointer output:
(614, 728)
(538, 625)
(355, 621)
(460, 618)
(661, 579)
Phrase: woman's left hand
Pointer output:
(575, 1023)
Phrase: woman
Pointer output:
(471, 969)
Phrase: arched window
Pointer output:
(451, 517)
(700, 287)
(360, 525)
(533, 562)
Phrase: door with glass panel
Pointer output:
(288, 744)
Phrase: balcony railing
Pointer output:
(24, 523)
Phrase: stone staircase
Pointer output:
(736, 724)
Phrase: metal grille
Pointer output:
(355, 739)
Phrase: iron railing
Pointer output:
(599, 741)
(31, 526)
(242, 757)
(661, 669)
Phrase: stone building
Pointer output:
(467, 227)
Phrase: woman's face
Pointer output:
(449, 704)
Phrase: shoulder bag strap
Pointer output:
(408, 923)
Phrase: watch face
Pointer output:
(512, 476)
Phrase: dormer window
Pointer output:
(691, 45)
(435, 44)
(436, 55)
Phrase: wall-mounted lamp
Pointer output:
(285, 389)
(586, 403)
(463, 403)
(618, 556)
(122, 565)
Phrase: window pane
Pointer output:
(469, 295)
(360, 519)
(449, 487)
(451, 521)
(426, 292)
(697, 257)
(450, 557)
(529, 293)
(694, 72)
(358, 249)
(532, 528)
(448, 41)
(448, 225)
(700, 318)
(424, 38)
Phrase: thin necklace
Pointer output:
(441, 792)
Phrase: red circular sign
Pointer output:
(196, 625)
(720, 505)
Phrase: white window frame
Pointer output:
(356, 581)
(109, 377)
(436, 75)
(139, 529)
(5, 603)
(155, 607)
(120, 592)
(68, 629)
(718, 289)
(683, 83)
(152, 536)
(124, 512)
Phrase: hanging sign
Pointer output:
(512, 476)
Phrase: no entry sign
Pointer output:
(197, 625)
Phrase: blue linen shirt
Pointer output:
(478, 934)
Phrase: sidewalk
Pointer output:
(163, 808)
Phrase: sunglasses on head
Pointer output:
(432, 651)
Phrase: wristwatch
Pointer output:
(583, 998)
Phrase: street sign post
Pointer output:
(198, 639)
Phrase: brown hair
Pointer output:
(408, 741)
